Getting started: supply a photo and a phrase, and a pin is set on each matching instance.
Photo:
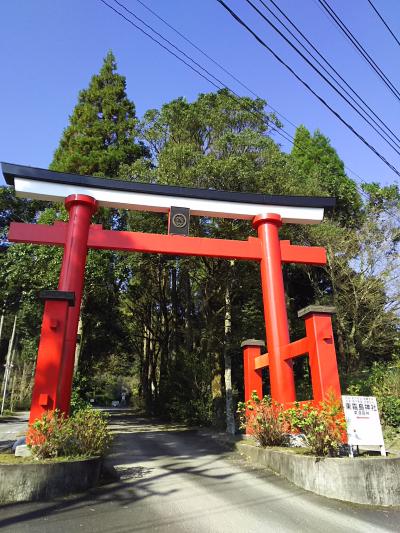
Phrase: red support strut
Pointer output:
(276, 322)
(252, 377)
(46, 393)
(322, 354)
(80, 208)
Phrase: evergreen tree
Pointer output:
(103, 128)
(320, 171)
(100, 138)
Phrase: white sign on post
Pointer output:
(363, 423)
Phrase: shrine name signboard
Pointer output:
(363, 422)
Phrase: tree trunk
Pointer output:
(78, 346)
(7, 372)
(23, 384)
(216, 388)
(230, 418)
(13, 394)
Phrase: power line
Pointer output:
(349, 126)
(214, 61)
(360, 113)
(326, 62)
(221, 85)
(384, 22)
(287, 136)
(160, 44)
(328, 9)
(170, 43)
(284, 134)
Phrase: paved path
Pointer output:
(178, 481)
(12, 427)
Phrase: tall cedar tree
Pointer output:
(102, 130)
(101, 136)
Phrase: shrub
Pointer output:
(385, 385)
(90, 433)
(265, 420)
(323, 426)
(85, 433)
(383, 382)
(48, 436)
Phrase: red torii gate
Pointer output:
(54, 368)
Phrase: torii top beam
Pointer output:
(41, 184)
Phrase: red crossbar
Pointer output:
(166, 244)
(261, 361)
(295, 349)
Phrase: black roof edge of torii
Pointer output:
(12, 171)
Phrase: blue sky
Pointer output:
(49, 50)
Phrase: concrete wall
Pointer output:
(29, 482)
(374, 481)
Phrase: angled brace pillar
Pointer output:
(46, 393)
(252, 376)
(321, 350)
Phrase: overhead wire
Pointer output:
(283, 133)
(384, 22)
(359, 47)
(296, 49)
(309, 88)
(213, 83)
(323, 58)
(288, 136)
(221, 83)
(276, 128)
(216, 63)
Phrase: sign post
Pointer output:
(363, 422)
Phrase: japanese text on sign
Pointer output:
(362, 419)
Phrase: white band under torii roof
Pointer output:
(57, 192)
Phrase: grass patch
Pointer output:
(11, 459)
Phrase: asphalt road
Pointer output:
(13, 427)
(180, 481)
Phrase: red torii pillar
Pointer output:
(276, 321)
(80, 209)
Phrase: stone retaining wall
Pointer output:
(43, 481)
(373, 481)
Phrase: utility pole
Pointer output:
(8, 364)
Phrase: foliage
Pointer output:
(270, 423)
(47, 436)
(84, 433)
(322, 425)
(103, 127)
(79, 399)
(384, 382)
(78, 403)
(321, 172)
(90, 433)
(266, 420)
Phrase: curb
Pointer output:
(369, 481)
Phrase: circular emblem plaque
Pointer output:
(179, 220)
